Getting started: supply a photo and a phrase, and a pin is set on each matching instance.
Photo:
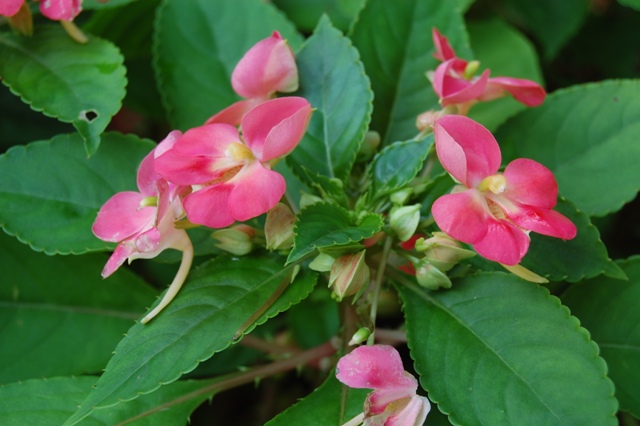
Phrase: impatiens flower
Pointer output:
(10, 7)
(454, 81)
(231, 174)
(57, 10)
(493, 211)
(143, 224)
(394, 401)
(268, 67)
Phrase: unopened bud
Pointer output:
(349, 274)
(278, 227)
(360, 336)
(442, 251)
(236, 240)
(404, 221)
(322, 263)
(430, 277)
(401, 196)
(22, 21)
(369, 145)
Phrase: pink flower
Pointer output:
(493, 211)
(57, 10)
(454, 81)
(394, 401)
(232, 174)
(10, 7)
(268, 67)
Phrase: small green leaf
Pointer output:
(394, 39)
(609, 310)
(332, 404)
(332, 79)
(587, 135)
(203, 319)
(325, 187)
(217, 33)
(327, 225)
(634, 4)
(82, 84)
(397, 164)
(496, 350)
(50, 192)
(58, 316)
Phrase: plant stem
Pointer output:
(378, 283)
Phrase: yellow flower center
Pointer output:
(238, 151)
(148, 202)
(495, 183)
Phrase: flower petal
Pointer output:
(451, 88)
(504, 243)
(233, 113)
(528, 92)
(269, 66)
(10, 7)
(413, 414)
(462, 215)
(61, 10)
(210, 206)
(544, 221)
(466, 149)
(257, 190)
(444, 51)
(531, 183)
(274, 128)
(121, 217)
(148, 241)
(120, 254)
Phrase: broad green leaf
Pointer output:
(52, 401)
(323, 225)
(306, 14)
(50, 192)
(58, 316)
(394, 39)
(464, 4)
(326, 187)
(315, 320)
(332, 404)
(397, 164)
(82, 84)
(507, 53)
(496, 350)
(587, 135)
(609, 310)
(634, 4)
(332, 79)
(101, 4)
(205, 318)
(197, 45)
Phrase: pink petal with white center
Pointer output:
(119, 255)
(233, 113)
(274, 128)
(269, 66)
(504, 243)
(466, 149)
(528, 92)
(256, 191)
(10, 7)
(121, 217)
(61, 10)
(462, 215)
(413, 414)
(531, 183)
(444, 51)
(210, 140)
(544, 221)
(210, 206)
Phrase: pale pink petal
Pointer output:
(269, 66)
(274, 128)
(61, 10)
(378, 401)
(121, 217)
(10, 7)
(462, 215)
(528, 92)
(531, 183)
(210, 140)
(167, 143)
(257, 190)
(210, 206)
(444, 51)
(466, 149)
(183, 170)
(148, 241)
(544, 221)
(233, 113)
(164, 200)
(147, 176)
(119, 255)
(413, 414)
(504, 243)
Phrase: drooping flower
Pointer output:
(268, 67)
(493, 211)
(231, 173)
(394, 401)
(143, 223)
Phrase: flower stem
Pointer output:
(377, 284)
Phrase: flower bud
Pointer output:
(401, 196)
(360, 336)
(236, 240)
(404, 221)
(278, 228)
(442, 251)
(349, 274)
(430, 277)
(369, 146)
(322, 263)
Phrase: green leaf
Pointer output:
(315, 320)
(217, 33)
(439, 186)
(101, 4)
(496, 350)
(203, 319)
(634, 4)
(82, 84)
(50, 192)
(587, 135)
(58, 316)
(332, 404)
(327, 225)
(609, 310)
(52, 401)
(306, 14)
(507, 53)
(326, 187)
(394, 39)
(332, 79)
(397, 164)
